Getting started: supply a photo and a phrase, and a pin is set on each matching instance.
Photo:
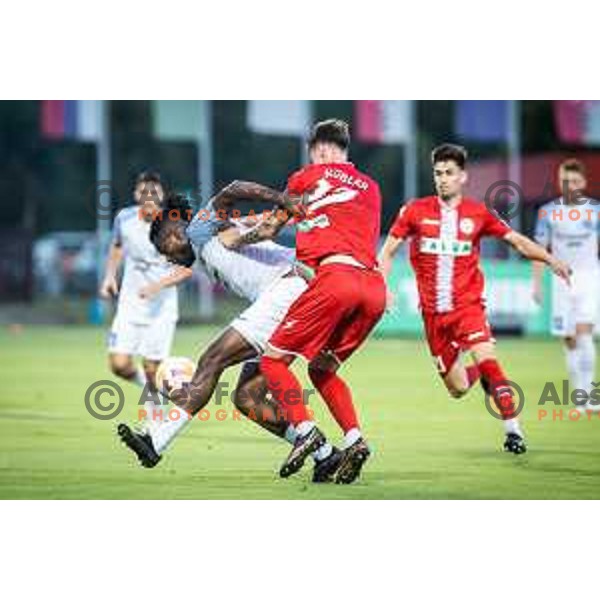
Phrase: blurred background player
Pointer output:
(570, 227)
(338, 232)
(147, 307)
(264, 273)
(445, 232)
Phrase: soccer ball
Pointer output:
(173, 372)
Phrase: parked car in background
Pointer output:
(65, 262)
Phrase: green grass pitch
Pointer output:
(425, 445)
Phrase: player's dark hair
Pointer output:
(176, 212)
(331, 131)
(150, 176)
(573, 165)
(447, 152)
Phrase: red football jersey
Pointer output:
(444, 249)
(342, 213)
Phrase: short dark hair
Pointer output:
(164, 219)
(331, 131)
(451, 152)
(150, 176)
(572, 164)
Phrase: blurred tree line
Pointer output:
(50, 185)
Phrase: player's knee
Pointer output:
(243, 401)
(570, 342)
(318, 375)
(121, 367)
(457, 392)
(243, 397)
(322, 367)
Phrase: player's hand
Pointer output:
(150, 290)
(109, 288)
(561, 269)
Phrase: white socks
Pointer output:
(513, 426)
(321, 454)
(166, 431)
(587, 360)
(572, 358)
(351, 436)
(291, 434)
(140, 377)
(581, 362)
(305, 427)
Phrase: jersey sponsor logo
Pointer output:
(446, 246)
(430, 221)
(321, 222)
(466, 226)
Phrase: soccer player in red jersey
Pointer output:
(338, 222)
(445, 232)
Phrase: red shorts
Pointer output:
(336, 313)
(449, 334)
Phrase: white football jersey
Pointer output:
(142, 265)
(571, 232)
(246, 271)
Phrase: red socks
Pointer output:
(286, 389)
(494, 376)
(338, 397)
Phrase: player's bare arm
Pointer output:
(175, 277)
(110, 287)
(538, 288)
(387, 253)
(386, 259)
(534, 251)
(249, 190)
(266, 229)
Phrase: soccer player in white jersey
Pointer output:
(265, 273)
(147, 307)
(570, 225)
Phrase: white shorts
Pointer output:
(575, 304)
(151, 340)
(259, 321)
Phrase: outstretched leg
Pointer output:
(496, 381)
(228, 349)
